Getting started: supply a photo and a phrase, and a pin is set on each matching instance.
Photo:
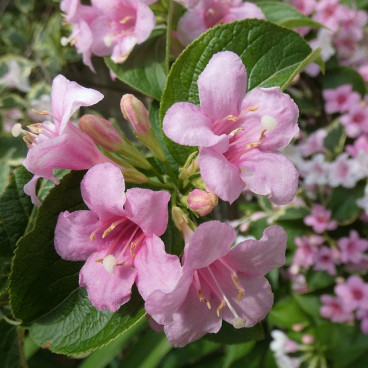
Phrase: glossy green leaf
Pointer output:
(144, 69)
(15, 211)
(346, 210)
(273, 56)
(9, 349)
(76, 327)
(285, 15)
(229, 335)
(344, 75)
(286, 313)
(49, 279)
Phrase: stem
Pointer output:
(168, 35)
(171, 172)
(22, 356)
(159, 185)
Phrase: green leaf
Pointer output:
(76, 327)
(144, 69)
(273, 55)
(335, 139)
(346, 210)
(9, 142)
(102, 357)
(229, 335)
(291, 213)
(344, 75)
(147, 352)
(15, 210)
(9, 349)
(50, 280)
(12, 101)
(286, 15)
(286, 313)
(309, 304)
(5, 170)
(319, 280)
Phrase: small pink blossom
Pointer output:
(360, 144)
(340, 99)
(238, 134)
(325, 260)
(306, 7)
(353, 293)
(306, 250)
(118, 237)
(319, 219)
(60, 144)
(329, 13)
(355, 120)
(314, 171)
(363, 202)
(208, 13)
(345, 172)
(334, 309)
(218, 282)
(314, 143)
(362, 314)
(352, 248)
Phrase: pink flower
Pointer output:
(314, 143)
(118, 237)
(218, 282)
(355, 120)
(329, 13)
(306, 250)
(340, 99)
(208, 13)
(306, 7)
(354, 293)
(238, 135)
(345, 172)
(352, 248)
(326, 259)
(334, 309)
(360, 144)
(319, 219)
(362, 314)
(60, 144)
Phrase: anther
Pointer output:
(125, 19)
(235, 131)
(109, 262)
(222, 304)
(253, 108)
(251, 145)
(110, 228)
(232, 117)
(240, 289)
(43, 113)
(132, 246)
(203, 299)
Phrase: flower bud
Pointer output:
(135, 113)
(181, 221)
(101, 131)
(132, 175)
(308, 339)
(202, 202)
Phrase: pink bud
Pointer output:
(135, 113)
(202, 202)
(101, 131)
(297, 327)
(308, 339)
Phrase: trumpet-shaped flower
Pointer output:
(60, 144)
(238, 134)
(118, 239)
(218, 283)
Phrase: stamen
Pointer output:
(128, 242)
(44, 112)
(232, 117)
(112, 227)
(126, 19)
(132, 246)
(251, 145)
(197, 285)
(253, 108)
(236, 283)
(109, 262)
(234, 132)
(222, 304)
(262, 137)
(203, 299)
(269, 123)
(27, 142)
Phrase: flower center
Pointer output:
(207, 277)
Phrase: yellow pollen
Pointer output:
(232, 117)
(100, 260)
(236, 131)
(132, 246)
(203, 299)
(44, 112)
(125, 19)
(73, 41)
(222, 304)
(262, 137)
(108, 230)
(241, 290)
(253, 108)
(27, 142)
(92, 237)
(251, 145)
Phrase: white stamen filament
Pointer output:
(269, 123)
(109, 262)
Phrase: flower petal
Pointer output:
(103, 190)
(30, 189)
(148, 209)
(72, 150)
(67, 97)
(222, 85)
(156, 269)
(270, 174)
(191, 321)
(190, 26)
(184, 123)
(221, 176)
(210, 241)
(257, 257)
(72, 235)
(105, 290)
(278, 105)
